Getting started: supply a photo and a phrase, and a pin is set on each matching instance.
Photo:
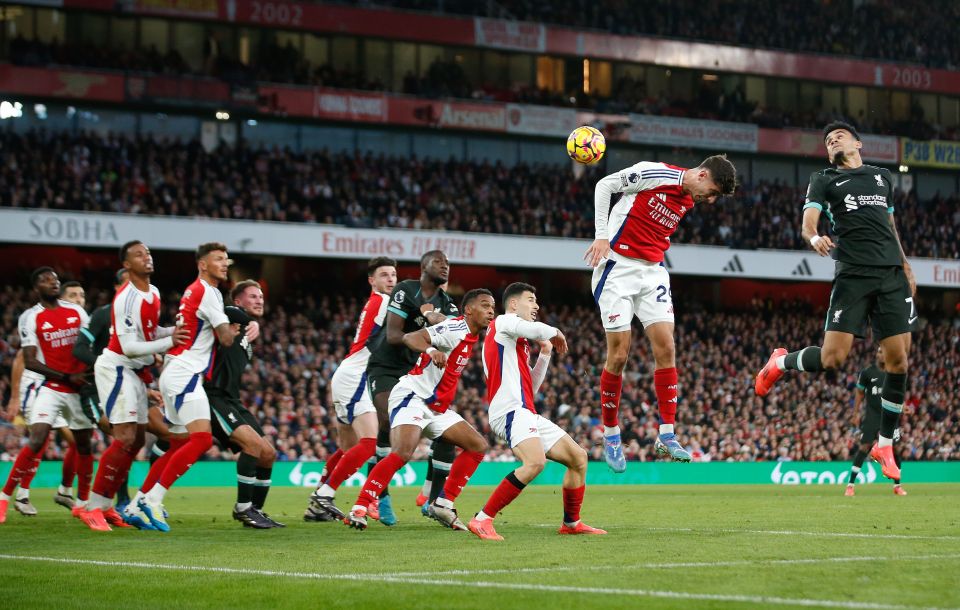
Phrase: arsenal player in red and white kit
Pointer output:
(48, 331)
(122, 373)
(636, 210)
(181, 382)
(356, 416)
(511, 386)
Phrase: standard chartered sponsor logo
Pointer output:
(783, 475)
(311, 478)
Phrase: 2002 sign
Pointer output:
(276, 13)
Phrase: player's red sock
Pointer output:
(665, 384)
(379, 478)
(351, 461)
(572, 501)
(84, 475)
(460, 472)
(114, 464)
(333, 461)
(505, 493)
(184, 457)
(125, 462)
(69, 466)
(27, 478)
(610, 386)
(157, 468)
(26, 460)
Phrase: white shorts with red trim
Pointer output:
(184, 399)
(522, 424)
(627, 287)
(406, 408)
(59, 409)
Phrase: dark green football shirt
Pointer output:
(871, 382)
(96, 335)
(228, 366)
(858, 203)
(405, 301)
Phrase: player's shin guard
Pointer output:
(158, 465)
(891, 399)
(806, 359)
(379, 478)
(184, 457)
(262, 486)
(351, 461)
(84, 475)
(444, 455)
(246, 479)
(572, 501)
(26, 461)
(330, 465)
(27, 478)
(610, 386)
(463, 468)
(665, 385)
(505, 493)
(69, 466)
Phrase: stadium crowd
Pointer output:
(306, 336)
(881, 29)
(115, 173)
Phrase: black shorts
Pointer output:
(228, 414)
(382, 380)
(878, 295)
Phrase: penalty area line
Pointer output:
(762, 600)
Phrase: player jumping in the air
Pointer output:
(511, 386)
(48, 331)
(420, 406)
(233, 425)
(636, 212)
(869, 386)
(356, 416)
(181, 382)
(414, 304)
(873, 280)
(122, 373)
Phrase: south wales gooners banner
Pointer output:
(307, 474)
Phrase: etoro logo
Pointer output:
(780, 476)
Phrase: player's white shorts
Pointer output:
(521, 424)
(626, 287)
(351, 397)
(122, 393)
(184, 399)
(28, 395)
(59, 409)
(408, 408)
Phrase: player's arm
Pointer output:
(394, 328)
(812, 208)
(517, 327)
(16, 372)
(83, 348)
(629, 180)
(907, 270)
(398, 311)
(32, 363)
(539, 371)
(421, 342)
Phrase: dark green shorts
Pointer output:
(878, 295)
(382, 380)
(870, 426)
(228, 414)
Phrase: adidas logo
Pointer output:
(46, 326)
(803, 269)
(734, 266)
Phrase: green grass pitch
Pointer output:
(668, 547)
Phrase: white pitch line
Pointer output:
(741, 599)
(675, 565)
(699, 530)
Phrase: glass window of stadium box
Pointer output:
(155, 33)
(404, 67)
(343, 53)
(248, 45)
(470, 61)
(123, 33)
(88, 28)
(949, 112)
(20, 22)
(199, 49)
(376, 63)
(51, 25)
(550, 73)
(597, 77)
(427, 55)
(316, 50)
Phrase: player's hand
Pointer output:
(253, 331)
(426, 308)
(599, 249)
(911, 279)
(180, 335)
(77, 380)
(545, 347)
(823, 245)
(13, 407)
(154, 398)
(559, 343)
(439, 359)
(234, 330)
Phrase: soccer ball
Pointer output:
(586, 145)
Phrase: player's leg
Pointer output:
(23, 504)
(567, 452)
(892, 394)
(69, 468)
(380, 386)
(456, 432)
(532, 461)
(442, 456)
(897, 488)
(28, 460)
(863, 450)
(84, 439)
(424, 496)
(360, 440)
(665, 380)
(249, 443)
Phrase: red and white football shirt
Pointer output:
(201, 311)
(54, 331)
